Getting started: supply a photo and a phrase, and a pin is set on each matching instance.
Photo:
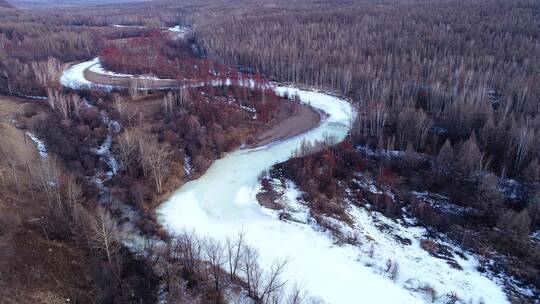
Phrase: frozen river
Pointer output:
(222, 202)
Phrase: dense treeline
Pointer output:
(27, 48)
(155, 53)
(425, 73)
(32, 38)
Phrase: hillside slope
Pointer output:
(34, 267)
(4, 4)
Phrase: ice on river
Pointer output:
(74, 76)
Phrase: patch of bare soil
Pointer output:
(293, 119)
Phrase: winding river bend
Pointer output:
(222, 202)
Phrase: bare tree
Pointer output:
(265, 288)
(273, 284)
(72, 190)
(46, 176)
(64, 104)
(296, 296)
(119, 104)
(134, 87)
(168, 102)
(377, 114)
(215, 255)
(105, 235)
(165, 265)
(82, 224)
(522, 140)
(251, 270)
(48, 71)
(234, 252)
(156, 161)
(423, 125)
(188, 249)
(127, 146)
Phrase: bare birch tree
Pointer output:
(522, 139)
(155, 159)
(105, 236)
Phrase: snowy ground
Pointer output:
(381, 238)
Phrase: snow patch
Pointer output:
(536, 236)
(179, 32)
(250, 110)
(129, 26)
(31, 96)
(188, 167)
(40, 145)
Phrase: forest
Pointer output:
(446, 101)
(451, 91)
(423, 76)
